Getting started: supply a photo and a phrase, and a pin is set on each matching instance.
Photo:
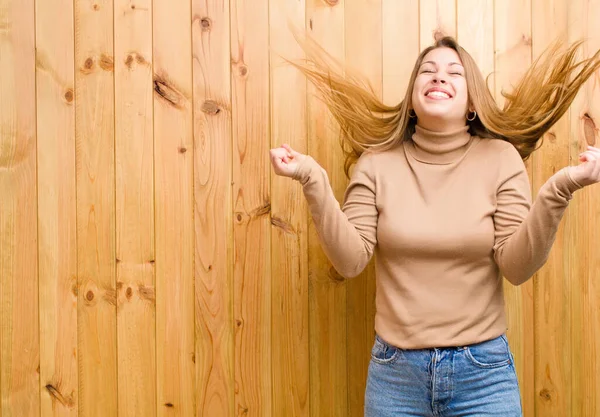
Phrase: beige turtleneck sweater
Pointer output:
(446, 215)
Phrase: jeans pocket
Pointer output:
(382, 352)
(493, 353)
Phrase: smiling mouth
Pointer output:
(438, 95)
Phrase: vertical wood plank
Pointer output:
(437, 18)
(213, 221)
(363, 53)
(512, 47)
(174, 208)
(19, 324)
(135, 208)
(582, 229)
(94, 104)
(289, 250)
(363, 47)
(475, 32)
(551, 285)
(252, 206)
(400, 26)
(58, 214)
(327, 289)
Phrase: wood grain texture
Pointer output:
(134, 154)
(57, 221)
(289, 237)
(582, 237)
(174, 208)
(400, 38)
(437, 18)
(19, 307)
(251, 206)
(213, 209)
(363, 53)
(512, 47)
(97, 297)
(327, 289)
(475, 32)
(552, 283)
(151, 264)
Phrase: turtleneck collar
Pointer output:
(439, 148)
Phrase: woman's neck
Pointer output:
(440, 148)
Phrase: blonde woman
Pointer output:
(440, 195)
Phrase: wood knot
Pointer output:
(134, 57)
(261, 211)
(438, 35)
(182, 149)
(110, 296)
(69, 95)
(96, 7)
(89, 295)
(128, 292)
(243, 70)
(133, 7)
(285, 226)
(210, 107)
(147, 293)
(58, 396)
(106, 62)
(589, 129)
(238, 323)
(205, 24)
(169, 405)
(167, 92)
(334, 275)
(545, 394)
(88, 64)
(239, 217)
(210, 268)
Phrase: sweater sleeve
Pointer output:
(525, 232)
(347, 233)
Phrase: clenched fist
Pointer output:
(588, 172)
(285, 160)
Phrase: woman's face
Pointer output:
(440, 97)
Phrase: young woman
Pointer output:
(440, 195)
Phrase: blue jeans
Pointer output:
(474, 380)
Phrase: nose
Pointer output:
(439, 79)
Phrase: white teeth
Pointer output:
(438, 94)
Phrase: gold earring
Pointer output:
(470, 119)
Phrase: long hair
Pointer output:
(537, 102)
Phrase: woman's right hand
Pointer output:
(285, 160)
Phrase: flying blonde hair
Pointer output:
(537, 102)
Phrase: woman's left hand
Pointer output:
(588, 172)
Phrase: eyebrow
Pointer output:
(450, 64)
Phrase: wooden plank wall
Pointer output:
(152, 265)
